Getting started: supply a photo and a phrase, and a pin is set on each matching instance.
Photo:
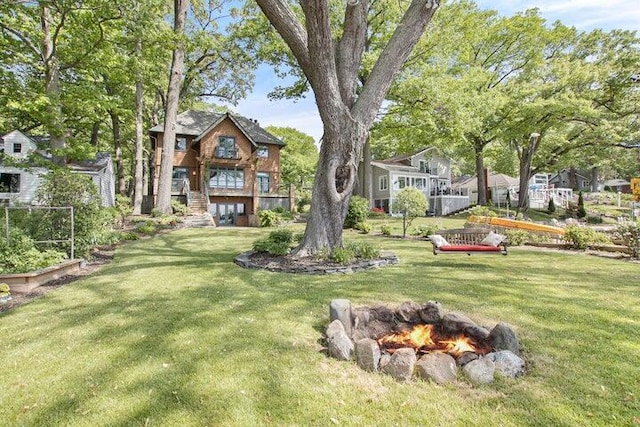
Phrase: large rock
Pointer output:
(454, 323)
(409, 312)
(401, 364)
(502, 337)
(507, 363)
(431, 312)
(367, 354)
(480, 371)
(340, 309)
(438, 367)
(339, 345)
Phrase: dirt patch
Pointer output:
(99, 257)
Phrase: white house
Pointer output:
(426, 170)
(19, 184)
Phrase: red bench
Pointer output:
(468, 241)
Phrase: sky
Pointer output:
(303, 115)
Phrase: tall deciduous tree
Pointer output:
(332, 67)
(163, 203)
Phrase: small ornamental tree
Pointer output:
(582, 212)
(411, 203)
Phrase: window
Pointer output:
(423, 166)
(402, 182)
(9, 182)
(181, 143)
(384, 183)
(263, 182)
(180, 173)
(17, 147)
(226, 178)
(240, 209)
(262, 151)
(227, 148)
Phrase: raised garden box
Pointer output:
(21, 283)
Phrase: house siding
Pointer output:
(201, 155)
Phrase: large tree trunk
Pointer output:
(335, 178)
(139, 150)
(480, 173)
(117, 146)
(55, 125)
(525, 157)
(347, 113)
(163, 202)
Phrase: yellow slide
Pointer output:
(512, 223)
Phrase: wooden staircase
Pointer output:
(199, 215)
(197, 203)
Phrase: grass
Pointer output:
(173, 333)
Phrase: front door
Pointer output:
(226, 213)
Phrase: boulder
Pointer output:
(507, 364)
(401, 364)
(480, 371)
(340, 309)
(367, 354)
(339, 345)
(438, 367)
(503, 337)
(431, 312)
(409, 312)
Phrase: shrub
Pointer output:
(581, 212)
(343, 255)
(129, 235)
(385, 229)
(358, 211)
(303, 200)
(517, 237)
(629, 233)
(583, 237)
(179, 208)
(167, 220)
(479, 210)
(364, 226)
(147, 228)
(594, 219)
(425, 230)
(551, 208)
(278, 242)
(156, 212)
(60, 187)
(19, 254)
(363, 250)
(377, 213)
(268, 218)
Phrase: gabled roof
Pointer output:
(101, 161)
(496, 180)
(199, 123)
(406, 157)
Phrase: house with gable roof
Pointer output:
(224, 164)
(19, 180)
(427, 170)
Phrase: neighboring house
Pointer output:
(617, 185)
(426, 170)
(226, 161)
(19, 185)
(499, 185)
(562, 179)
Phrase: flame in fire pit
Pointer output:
(424, 338)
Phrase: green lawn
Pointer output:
(172, 333)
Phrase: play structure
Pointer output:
(518, 225)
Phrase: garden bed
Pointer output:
(26, 282)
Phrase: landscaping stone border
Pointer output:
(277, 265)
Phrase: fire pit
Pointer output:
(423, 341)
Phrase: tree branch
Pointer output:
(395, 53)
(350, 49)
(290, 29)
